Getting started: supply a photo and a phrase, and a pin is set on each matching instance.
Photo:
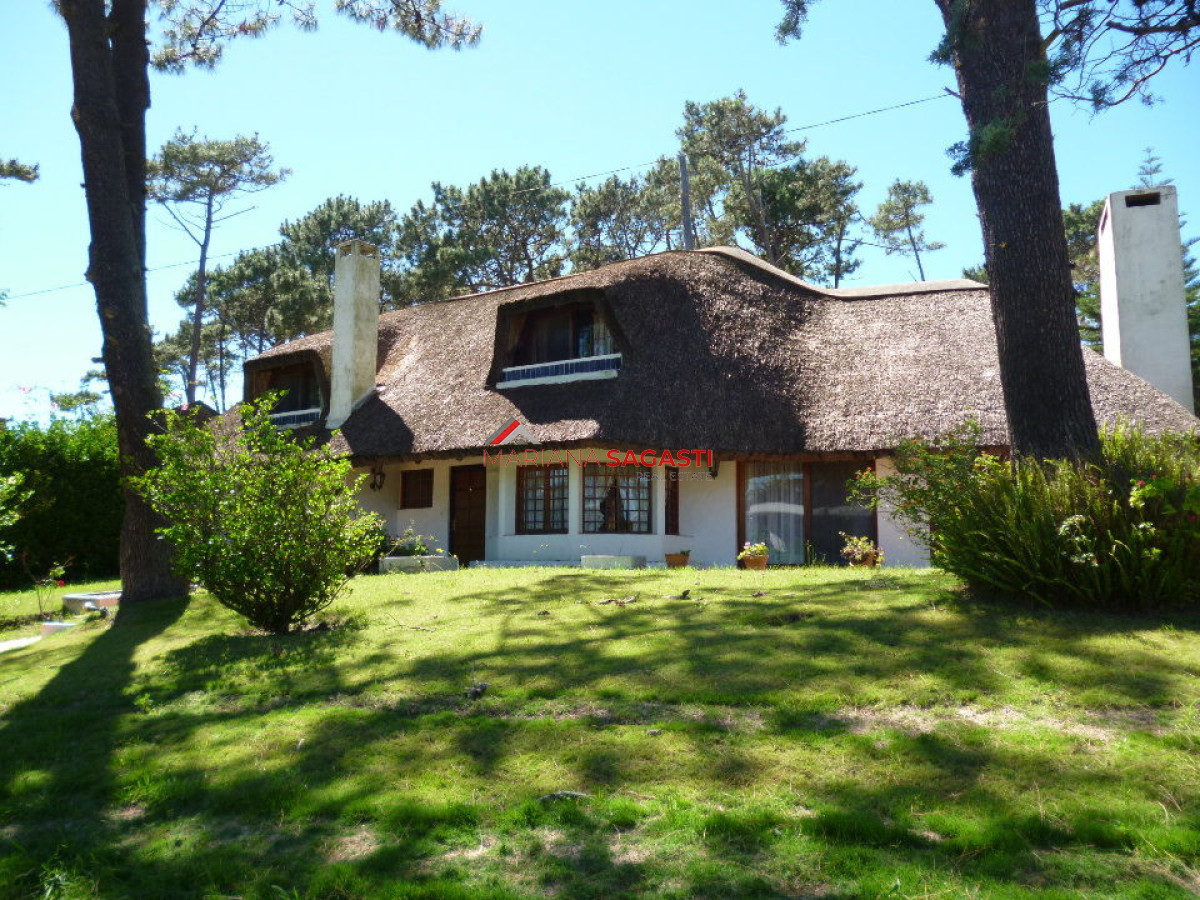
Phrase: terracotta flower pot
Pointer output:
(754, 562)
(869, 561)
(677, 560)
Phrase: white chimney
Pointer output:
(355, 328)
(1143, 309)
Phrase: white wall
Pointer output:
(707, 517)
(1142, 302)
(355, 328)
(433, 521)
(899, 548)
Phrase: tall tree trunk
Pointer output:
(201, 296)
(221, 363)
(108, 67)
(1000, 65)
(762, 233)
(916, 251)
(837, 254)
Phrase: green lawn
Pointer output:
(795, 733)
(19, 609)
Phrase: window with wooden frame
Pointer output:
(416, 489)
(297, 384)
(616, 500)
(561, 333)
(542, 500)
(671, 526)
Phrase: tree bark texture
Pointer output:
(1000, 67)
(109, 59)
(198, 314)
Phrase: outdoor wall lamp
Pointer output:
(378, 477)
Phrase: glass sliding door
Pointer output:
(832, 511)
(773, 505)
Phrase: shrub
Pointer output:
(268, 524)
(71, 472)
(378, 545)
(748, 550)
(1120, 534)
(859, 550)
(412, 543)
(10, 497)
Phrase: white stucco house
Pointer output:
(773, 392)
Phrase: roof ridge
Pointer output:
(734, 254)
(909, 287)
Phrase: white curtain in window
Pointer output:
(774, 505)
(602, 342)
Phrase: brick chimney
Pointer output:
(355, 328)
(1143, 308)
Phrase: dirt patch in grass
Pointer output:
(628, 853)
(1102, 725)
(1096, 725)
(130, 813)
(350, 847)
(486, 843)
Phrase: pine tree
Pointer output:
(897, 222)
(110, 54)
(194, 180)
(1006, 65)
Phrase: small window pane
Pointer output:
(297, 385)
(832, 511)
(616, 500)
(774, 510)
(416, 489)
(672, 523)
(541, 499)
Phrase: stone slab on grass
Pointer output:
(74, 603)
(612, 562)
(418, 564)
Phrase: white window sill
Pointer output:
(296, 419)
(588, 368)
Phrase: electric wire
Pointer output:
(579, 179)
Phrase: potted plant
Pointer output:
(678, 560)
(412, 552)
(860, 551)
(753, 556)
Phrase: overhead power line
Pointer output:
(565, 183)
(642, 165)
(869, 112)
(67, 287)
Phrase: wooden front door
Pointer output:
(468, 512)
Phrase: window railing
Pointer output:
(589, 367)
(296, 418)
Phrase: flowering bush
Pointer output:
(859, 550)
(1121, 533)
(413, 543)
(749, 549)
(265, 522)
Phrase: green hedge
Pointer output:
(75, 508)
(1121, 534)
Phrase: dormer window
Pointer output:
(553, 335)
(557, 344)
(300, 403)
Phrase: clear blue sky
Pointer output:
(578, 88)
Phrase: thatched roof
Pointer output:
(720, 351)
